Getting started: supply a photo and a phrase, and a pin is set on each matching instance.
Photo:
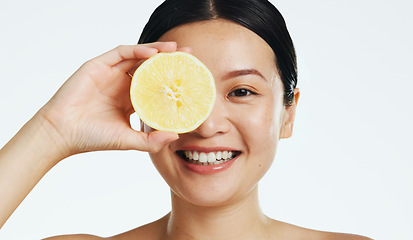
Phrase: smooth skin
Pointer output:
(88, 115)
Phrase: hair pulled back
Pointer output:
(259, 16)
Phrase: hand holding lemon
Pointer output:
(171, 91)
(91, 111)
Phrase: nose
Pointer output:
(217, 123)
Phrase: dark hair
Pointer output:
(260, 16)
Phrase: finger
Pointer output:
(185, 49)
(148, 142)
(138, 52)
(158, 139)
(128, 66)
(133, 53)
(163, 46)
(126, 52)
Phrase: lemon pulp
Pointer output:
(173, 92)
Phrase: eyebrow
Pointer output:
(243, 72)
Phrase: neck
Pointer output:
(242, 219)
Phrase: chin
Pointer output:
(211, 193)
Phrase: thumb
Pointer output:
(148, 142)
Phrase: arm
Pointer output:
(90, 112)
(24, 161)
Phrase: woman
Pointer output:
(248, 49)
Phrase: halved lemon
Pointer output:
(173, 92)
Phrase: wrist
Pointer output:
(37, 142)
(47, 138)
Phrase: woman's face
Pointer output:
(248, 118)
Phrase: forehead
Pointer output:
(224, 46)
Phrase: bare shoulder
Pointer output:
(292, 232)
(149, 231)
(153, 230)
(75, 237)
(144, 232)
(342, 236)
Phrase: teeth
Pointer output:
(203, 157)
(195, 156)
(209, 158)
(218, 155)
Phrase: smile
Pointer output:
(208, 158)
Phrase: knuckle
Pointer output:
(154, 148)
(89, 63)
(119, 47)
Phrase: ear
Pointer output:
(289, 116)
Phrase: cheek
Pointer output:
(260, 129)
(159, 160)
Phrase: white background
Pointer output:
(348, 167)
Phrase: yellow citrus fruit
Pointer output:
(173, 92)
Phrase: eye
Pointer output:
(241, 92)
